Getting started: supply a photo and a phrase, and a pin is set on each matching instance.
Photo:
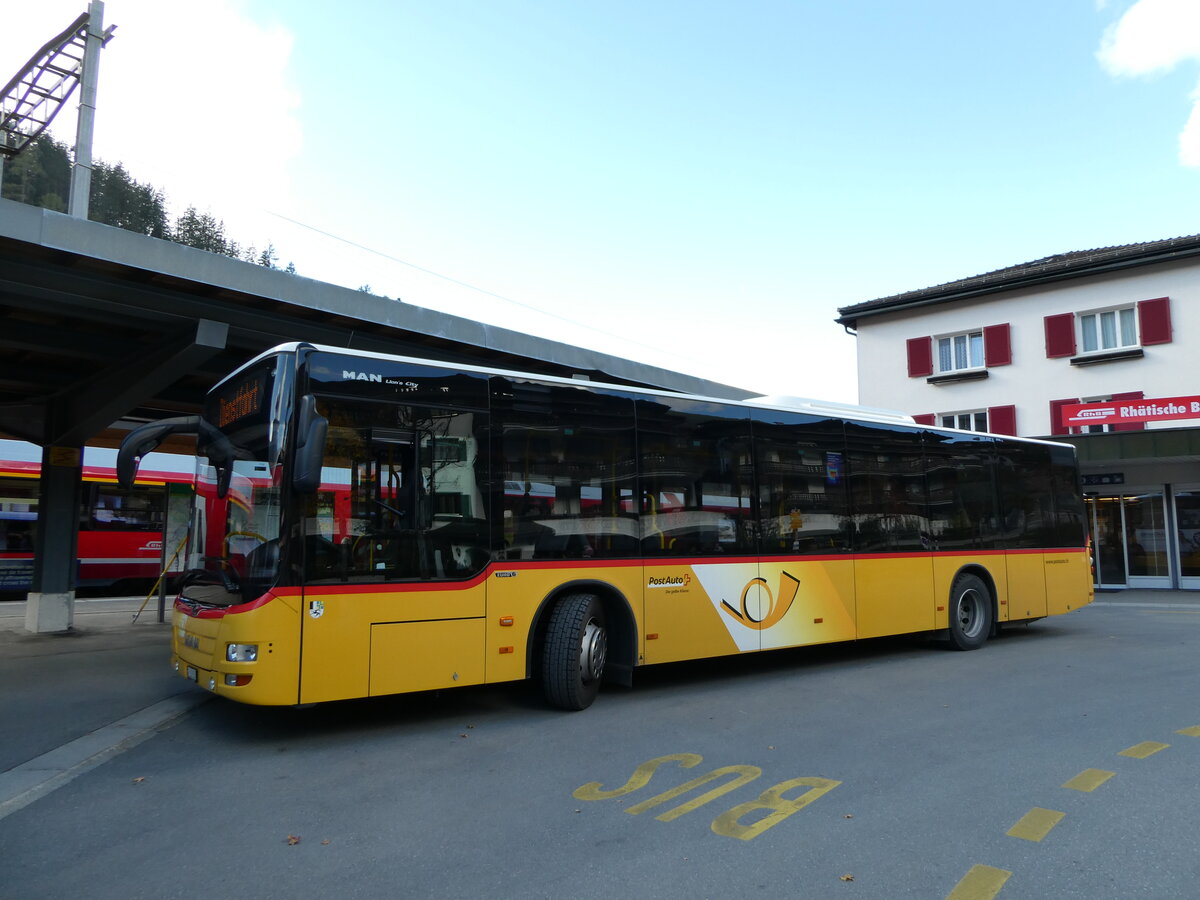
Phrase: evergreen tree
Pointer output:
(117, 199)
(202, 231)
(41, 176)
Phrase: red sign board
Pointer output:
(1120, 412)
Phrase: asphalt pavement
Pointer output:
(71, 701)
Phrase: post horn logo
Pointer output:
(776, 607)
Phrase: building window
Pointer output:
(1112, 329)
(959, 357)
(1107, 334)
(976, 420)
(957, 352)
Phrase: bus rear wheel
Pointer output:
(970, 612)
(574, 652)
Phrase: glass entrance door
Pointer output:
(1129, 540)
(1146, 540)
(1108, 541)
(1187, 524)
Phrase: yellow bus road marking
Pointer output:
(1192, 731)
(769, 809)
(981, 883)
(1144, 749)
(1088, 780)
(1036, 824)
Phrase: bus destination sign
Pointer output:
(244, 398)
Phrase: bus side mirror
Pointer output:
(144, 439)
(311, 428)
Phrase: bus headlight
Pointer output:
(241, 652)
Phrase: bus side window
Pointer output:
(696, 470)
(803, 502)
(886, 470)
(566, 463)
(401, 495)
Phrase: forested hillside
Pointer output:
(41, 176)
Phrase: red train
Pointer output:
(120, 532)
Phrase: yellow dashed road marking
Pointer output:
(981, 883)
(1173, 612)
(1144, 749)
(1193, 731)
(1088, 780)
(1036, 824)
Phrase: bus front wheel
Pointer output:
(574, 652)
(970, 612)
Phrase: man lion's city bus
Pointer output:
(368, 524)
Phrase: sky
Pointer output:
(696, 185)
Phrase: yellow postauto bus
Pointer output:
(369, 524)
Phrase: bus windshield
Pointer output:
(234, 552)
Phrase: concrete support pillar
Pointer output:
(51, 604)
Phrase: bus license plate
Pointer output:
(191, 673)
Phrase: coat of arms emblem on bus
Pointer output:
(760, 616)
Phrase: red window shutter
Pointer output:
(925, 419)
(920, 357)
(1056, 422)
(1126, 398)
(1154, 320)
(1002, 419)
(1060, 335)
(997, 345)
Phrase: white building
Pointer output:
(1018, 351)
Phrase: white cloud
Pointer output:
(195, 100)
(1153, 37)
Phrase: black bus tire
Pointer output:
(970, 612)
(574, 651)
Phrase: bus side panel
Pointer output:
(338, 660)
(424, 656)
(1068, 581)
(1026, 585)
(895, 594)
(812, 601)
(514, 593)
(946, 568)
(690, 610)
